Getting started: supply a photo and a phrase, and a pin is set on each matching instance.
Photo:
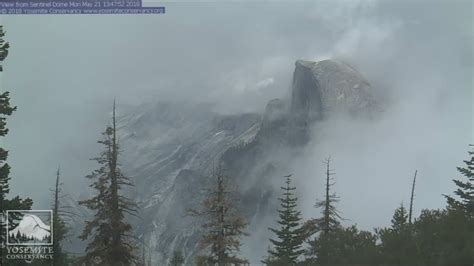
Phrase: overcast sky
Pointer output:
(64, 71)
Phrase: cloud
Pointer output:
(63, 73)
(265, 83)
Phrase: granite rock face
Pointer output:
(321, 88)
(169, 151)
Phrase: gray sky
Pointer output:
(64, 71)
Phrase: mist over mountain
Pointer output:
(170, 149)
(396, 96)
(417, 54)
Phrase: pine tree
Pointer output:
(223, 224)
(177, 259)
(288, 245)
(15, 203)
(400, 219)
(465, 189)
(59, 226)
(110, 233)
(397, 244)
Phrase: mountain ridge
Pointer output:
(169, 150)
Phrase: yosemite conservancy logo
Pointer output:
(29, 235)
(34, 228)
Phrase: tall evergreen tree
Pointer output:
(110, 233)
(465, 189)
(59, 226)
(15, 203)
(223, 224)
(290, 236)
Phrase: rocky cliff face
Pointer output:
(319, 90)
(329, 86)
(170, 149)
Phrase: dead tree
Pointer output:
(412, 197)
